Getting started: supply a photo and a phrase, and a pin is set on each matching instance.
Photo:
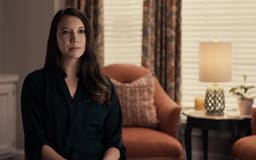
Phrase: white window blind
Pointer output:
(123, 31)
(222, 20)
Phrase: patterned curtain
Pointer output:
(94, 10)
(162, 43)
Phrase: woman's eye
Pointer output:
(64, 32)
(82, 31)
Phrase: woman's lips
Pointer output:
(74, 48)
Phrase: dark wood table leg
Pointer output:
(235, 132)
(205, 143)
(188, 142)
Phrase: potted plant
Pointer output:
(245, 96)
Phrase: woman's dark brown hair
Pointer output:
(93, 80)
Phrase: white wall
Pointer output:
(25, 26)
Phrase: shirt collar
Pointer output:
(62, 74)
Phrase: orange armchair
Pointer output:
(146, 143)
(245, 148)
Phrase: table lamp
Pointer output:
(215, 66)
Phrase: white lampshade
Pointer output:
(215, 61)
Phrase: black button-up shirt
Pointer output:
(75, 127)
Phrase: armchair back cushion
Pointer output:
(168, 112)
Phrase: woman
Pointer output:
(69, 109)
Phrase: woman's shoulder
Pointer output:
(35, 76)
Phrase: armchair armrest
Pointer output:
(168, 112)
(169, 117)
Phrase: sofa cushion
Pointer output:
(146, 142)
(136, 99)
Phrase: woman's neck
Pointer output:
(71, 67)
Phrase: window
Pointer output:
(221, 20)
(123, 31)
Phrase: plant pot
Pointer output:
(245, 106)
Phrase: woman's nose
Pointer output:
(73, 38)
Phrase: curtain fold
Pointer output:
(162, 43)
(94, 11)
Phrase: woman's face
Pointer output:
(71, 37)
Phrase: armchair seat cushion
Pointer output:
(245, 148)
(146, 142)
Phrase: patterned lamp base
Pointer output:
(215, 100)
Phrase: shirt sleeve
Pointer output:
(31, 108)
(113, 125)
